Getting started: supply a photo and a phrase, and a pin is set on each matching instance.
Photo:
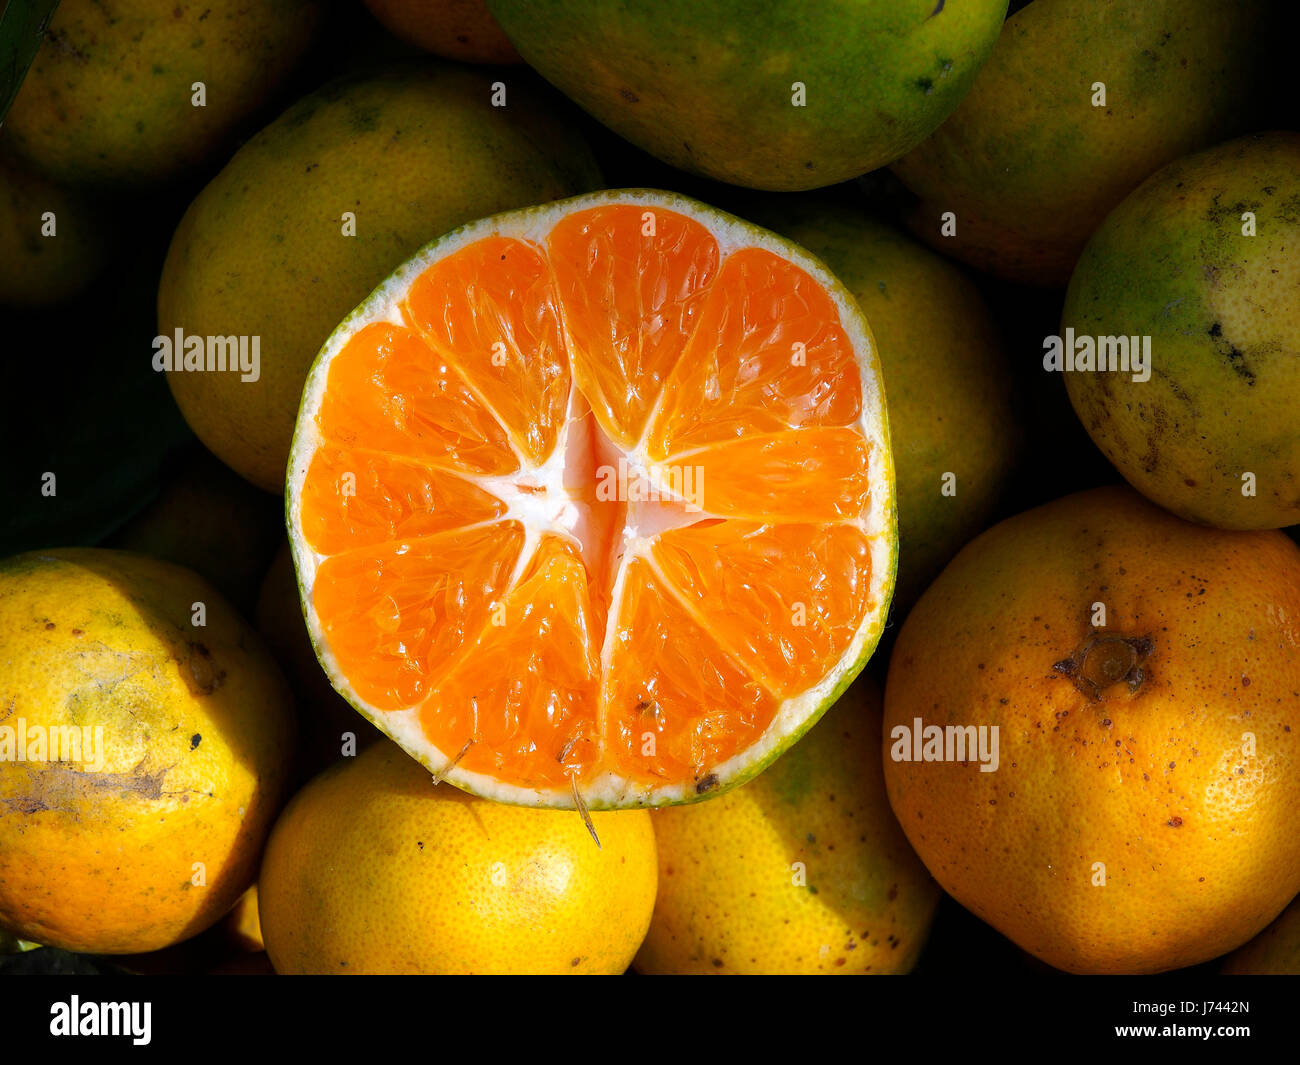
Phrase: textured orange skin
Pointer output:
(103, 861)
(373, 869)
(1197, 836)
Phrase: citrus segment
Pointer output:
(632, 282)
(796, 475)
(387, 391)
(491, 311)
(594, 502)
(768, 353)
(523, 698)
(785, 600)
(355, 498)
(675, 701)
(394, 613)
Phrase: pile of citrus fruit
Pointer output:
(563, 487)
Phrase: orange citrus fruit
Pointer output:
(803, 870)
(1136, 813)
(593, 502)
(947, 378)
(174, 747)
(373, 869)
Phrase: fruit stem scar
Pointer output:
(1104, 659)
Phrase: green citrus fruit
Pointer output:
(783, 95)
(139, 90)
(454, 29)
(1201, 259)
(55, 240)
(1080, 101)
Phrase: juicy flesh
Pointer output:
(597, 504)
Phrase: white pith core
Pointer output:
(548, 499)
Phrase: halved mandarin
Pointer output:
(593, 503)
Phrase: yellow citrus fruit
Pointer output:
(319, 207)
(1136, 814)
(55, 240)
(1034, 157)
(802, 870)
(1202, 261)
(174, 742)
(594, 501)
(454, 29)
(111, 95)
(374, 869)
(1274, 952)
(947, 379)
(211, 521)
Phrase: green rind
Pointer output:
(1030, 167)
(709, 87)
(361, 314)
(1171, 263)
